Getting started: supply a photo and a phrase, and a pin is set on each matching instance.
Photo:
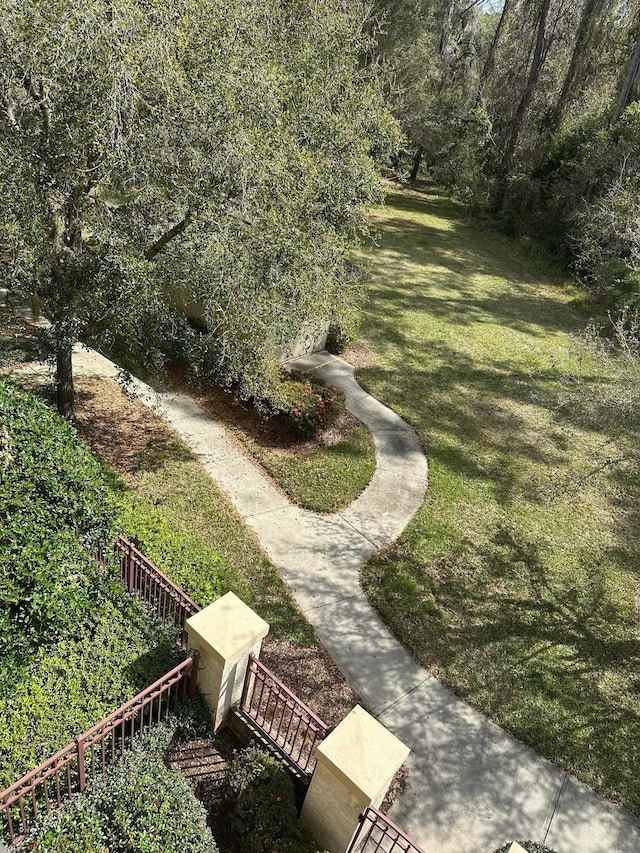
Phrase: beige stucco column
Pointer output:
(356, 764)
(224, 633)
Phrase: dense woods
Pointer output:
(528, 110)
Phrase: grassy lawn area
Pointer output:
(324, 480)
(517, 583)
(178, 515)
(323, 473)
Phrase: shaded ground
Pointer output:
(324, 473)
(131, 439)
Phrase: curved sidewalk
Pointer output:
(472, 787)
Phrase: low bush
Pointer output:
(66, 687)
(53, 500)
(343, 332)
(305, 404)
(70, 637)
(261, 806)
(139, 805)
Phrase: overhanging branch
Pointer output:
(167, 237)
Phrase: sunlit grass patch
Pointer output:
(517, 583)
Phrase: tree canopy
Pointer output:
(528, 110)
(218, 151)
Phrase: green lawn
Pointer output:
(324, 480)
(195, 507)
(517, 582)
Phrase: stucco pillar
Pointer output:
(224, 633)
(355, 766)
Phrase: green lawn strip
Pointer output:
(516, 582)
(177, 509)
(324, 480)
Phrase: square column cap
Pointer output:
(362, 752)
(228, 627)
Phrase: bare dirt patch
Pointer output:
(121, 430)
(360, 355)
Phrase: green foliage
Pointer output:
(241, 133)
(193, 564)
(606, 242)
(529, 846)
(70, 636)
(262, 811)
(66, 687)
(140, 805)
(304, 403)
(343, 332)
(53, 501)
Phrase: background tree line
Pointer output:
(528, 110)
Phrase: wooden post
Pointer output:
(82, 778)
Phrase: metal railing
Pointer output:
(143, 579)
(93, 752)
(283, 718)
(377, 834)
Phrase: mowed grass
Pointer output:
(324, 480)
(187, 496)
(517, 583)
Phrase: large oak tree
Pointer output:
(221, 150)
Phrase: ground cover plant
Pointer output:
(261, 813)
(70, 637)
(140, 804)
(517, 581)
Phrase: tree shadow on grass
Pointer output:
(555, 663)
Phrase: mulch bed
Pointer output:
(271, 433)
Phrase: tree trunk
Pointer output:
(588, 14)
(530, 88)
(416, 163)
(627, 85)
(65, 396)
(525, 100)
(489, 63)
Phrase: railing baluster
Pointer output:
(281, 716)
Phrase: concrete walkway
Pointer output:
(472, 786)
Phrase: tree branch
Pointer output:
(167, 237)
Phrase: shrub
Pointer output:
(115, 652)
(305, 404)
(53, 499)
(139, 805)
(262, 811)
(343, 332)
